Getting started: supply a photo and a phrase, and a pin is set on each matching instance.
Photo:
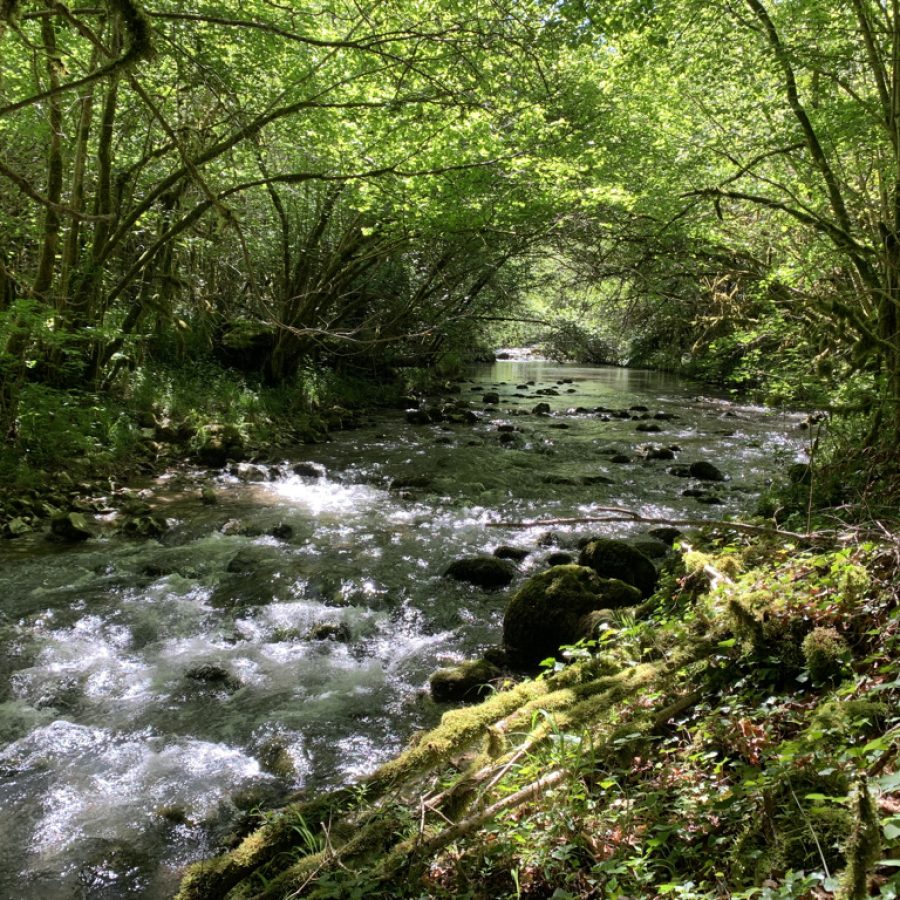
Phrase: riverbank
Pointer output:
(737, 737)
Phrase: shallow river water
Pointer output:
(152, 691)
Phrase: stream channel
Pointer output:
(152, 692)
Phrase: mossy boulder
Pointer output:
(468, 681)
(618, 559)
(71, 527)
(547, 611)
(483, 571)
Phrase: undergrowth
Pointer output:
(730, 741)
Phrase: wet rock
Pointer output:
(562, 480)
(560, 559)
(589, 480)
(648, 428)
(231, 527)
(71, 527)
(249, 560)
(417, 482)
(616, 559)
(282, 531)
(511, 441)
(505, 428)
(150, 525)
(546, 612)
(339, 632)
(483, 571)
(16, 528)
(638, 408)
(651, 547)
(469, 681)
(276, 759)
(491, 398)
(541, 409)
(680, 471)
(706, 471)
(208, 496)
(112, 867)
(418, 417)
(664, 417)
(666, 534)
(496, 656)
(652, 453)
(620, 459)
(506, 551)
(215, 676)
(308, 469)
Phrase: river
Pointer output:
(152, 692)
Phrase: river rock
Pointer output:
(16, 528)
(560, 558)
(547, 610)
(208, 496)
(517, 554)
(149, 525)
(418, 417)
(659, 453)
(665, 533)
(338, 632)
(590, 480)
(651, 547)
(620, 459)
(617, 559)
(308, 469)
(214, 676)
(648, 428)
(491, 398)
(706, 471)
(71, 527)
(541, 409)
(469, 681)
(483, 571)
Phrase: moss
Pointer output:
(826, 655)
(747, 627)
(819, 833)
(546, 612)
(863, 846)
(470, 680)
(619, 560)
(845, 719)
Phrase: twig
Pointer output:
(627, 515)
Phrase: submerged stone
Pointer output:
(547, 611)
